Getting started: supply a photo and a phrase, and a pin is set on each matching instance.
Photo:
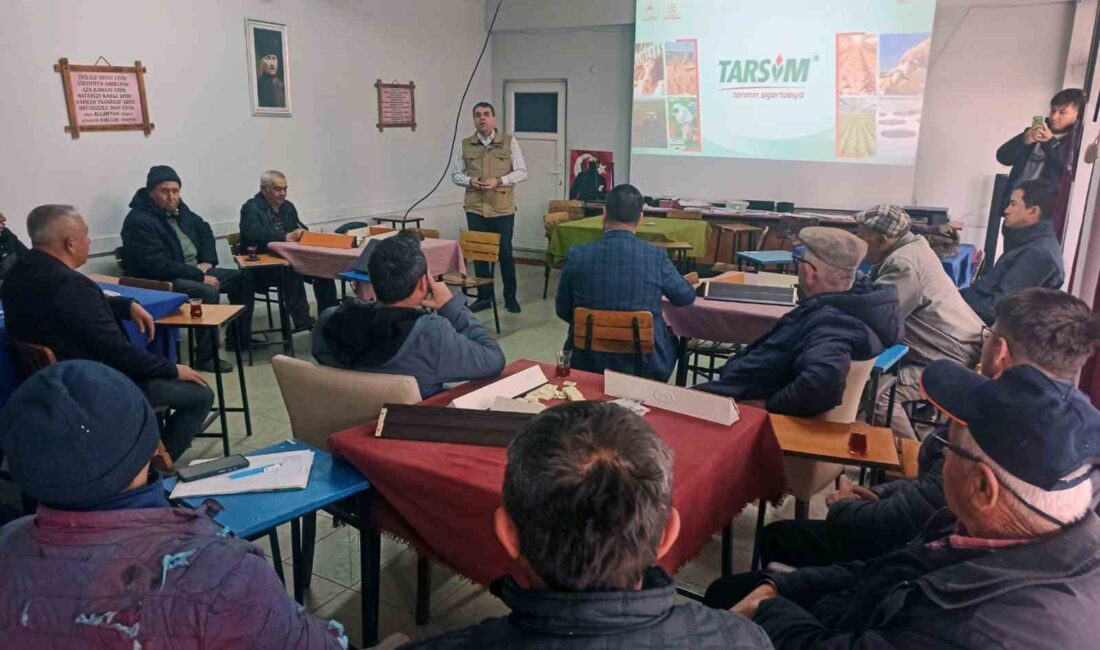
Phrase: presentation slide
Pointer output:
(785, 80)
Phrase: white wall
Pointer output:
(338, 165)
(995, 65)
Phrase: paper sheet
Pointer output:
(292, 474)
(509, 387)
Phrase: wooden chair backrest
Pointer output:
(551, 219)
(120, 260)
(563, 206)
(425, 233)
(479, 246)
(141, 283)
(31, 357)
(234, 241)
(694, 215)
(620, 332)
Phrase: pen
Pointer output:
(255, 470)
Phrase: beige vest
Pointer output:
(493, 161)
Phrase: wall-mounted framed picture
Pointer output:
(268, 67)
(104, 98)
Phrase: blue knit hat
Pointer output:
(77, 432)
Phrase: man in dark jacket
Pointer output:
(1032, 256)
(269, 217)
(1021, 568)
(1043, 150)
(1049, 330)
(106, 562)
(397, 334)
(587, 513)
(163, 239)
(10, 248)
(47, 302)
(621, 272)
(801, 365)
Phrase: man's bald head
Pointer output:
(59, 230)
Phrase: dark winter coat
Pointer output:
(151, 248)
(1032, 257)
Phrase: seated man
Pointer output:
(269, 217)
(621, 272)
(162, 239)
(1020, 570)
(801, 365)
(938, 322)
(587, 513)
(47, 302)
(1051, 331)
(106, 562)
(10, 247)
(1032, 256)
(397, 334)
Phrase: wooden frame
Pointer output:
(275, 101)
(75, 125)
(392, 110)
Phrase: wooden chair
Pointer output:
(677, 250)
(30, 357)
(141, 283)
(321, 401)
(549, 221)
(617, 332)
(693, 215)
(478, 247)
(574, 208)
(120, 260)
(424, 233)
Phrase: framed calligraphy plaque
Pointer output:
(396, 105)
(104, 97)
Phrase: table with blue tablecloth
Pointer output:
(158, 303)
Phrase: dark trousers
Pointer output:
(294, 292)
(726, 592)
(189, 404)
(805, 543)
(238, 286)
(503, 226)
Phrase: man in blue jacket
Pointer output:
(162, 239)
(621, 272)
(397, 334)
(1032, 255)
(801, 365)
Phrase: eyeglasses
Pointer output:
(989, 333)
(962, 453)
(800, 258)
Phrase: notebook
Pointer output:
(291, 473)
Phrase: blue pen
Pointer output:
(255, 470)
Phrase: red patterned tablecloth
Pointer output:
(441, 497)
(444, 256)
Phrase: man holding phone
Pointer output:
(1042, 151)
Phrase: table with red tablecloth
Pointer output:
(441, 497)
(443, 256)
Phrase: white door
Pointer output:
(535, 116)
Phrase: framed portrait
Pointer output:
(268, 67)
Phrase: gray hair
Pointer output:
(1067, 505)
(43, 221)
(270, 175)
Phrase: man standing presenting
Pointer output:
(269, 217)
(489, 165)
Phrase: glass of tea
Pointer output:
(196, 307)
(253, 255)
(562, 360)
(857, 444)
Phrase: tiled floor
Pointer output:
(536, 333)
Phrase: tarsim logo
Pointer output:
(780, 70)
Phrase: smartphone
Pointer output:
(212, 468)
(1038, 121)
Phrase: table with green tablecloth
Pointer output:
(574, 233)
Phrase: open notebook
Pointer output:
(291, 473)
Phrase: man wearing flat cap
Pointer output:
(800, 366)
(162, 239)
(106, 561)
(938, 322)
(1021, 568)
